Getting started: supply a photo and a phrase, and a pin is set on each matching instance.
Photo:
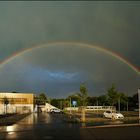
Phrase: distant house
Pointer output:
(17, 102)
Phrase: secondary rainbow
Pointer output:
(107, 51)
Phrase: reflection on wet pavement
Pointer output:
(37, 124)
(36, 118)
(27, 123)
(112, 122)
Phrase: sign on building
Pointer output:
(74, 103)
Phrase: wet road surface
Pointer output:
(53, 126)
(41, 126)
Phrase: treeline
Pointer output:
(111, 98)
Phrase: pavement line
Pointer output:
(107, 126)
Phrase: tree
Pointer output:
(133, 101)
(102, 100)
(83, 94)
(66, 103)
(83, 97)
(116, 98)
(92, 101)
(41, 99)
(122, 101)
(112, 95)
(55, 102)
(6, 102)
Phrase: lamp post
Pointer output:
(61, 104)
(127, 107)
(119, 103)
(139, 101)
(97, 108)
(70, 105)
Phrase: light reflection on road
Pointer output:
(37, 124)
(36, 118)
(27, 123)
(10, 129)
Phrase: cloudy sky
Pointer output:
(59, 69)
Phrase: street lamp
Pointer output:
(97, 107)
(139, 101)
(70, 105)
(127, 107)
(119, 103)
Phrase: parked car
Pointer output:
(55, 110)
(113, 115)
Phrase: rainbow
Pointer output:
(107, 51)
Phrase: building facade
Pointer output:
(16, 102)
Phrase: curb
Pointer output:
(108, 126)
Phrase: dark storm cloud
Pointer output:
(113, 25)
(59, 71)
(110, 24)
